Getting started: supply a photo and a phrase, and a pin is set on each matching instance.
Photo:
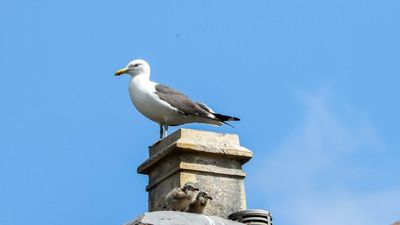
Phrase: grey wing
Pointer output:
(205, 107)
(181, 102)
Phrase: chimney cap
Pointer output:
(197, 141)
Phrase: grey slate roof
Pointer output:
(179, 218)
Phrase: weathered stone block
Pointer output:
(212, 161)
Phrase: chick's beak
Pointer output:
(121, 71)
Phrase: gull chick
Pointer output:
(180, 198)
(164, 105)
(200, 203)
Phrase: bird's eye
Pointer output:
(136, 65)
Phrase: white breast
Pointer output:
(142, 93)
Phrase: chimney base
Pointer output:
(212, 161)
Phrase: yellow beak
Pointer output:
(121, 71)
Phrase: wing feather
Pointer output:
(181, 102)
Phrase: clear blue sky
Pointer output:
(316, 84)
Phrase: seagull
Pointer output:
(200, 203)
(179, 198)
(164, 105)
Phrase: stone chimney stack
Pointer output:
(212, 161)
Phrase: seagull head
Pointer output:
(189, 187)
(134, 68)
(203, 197)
